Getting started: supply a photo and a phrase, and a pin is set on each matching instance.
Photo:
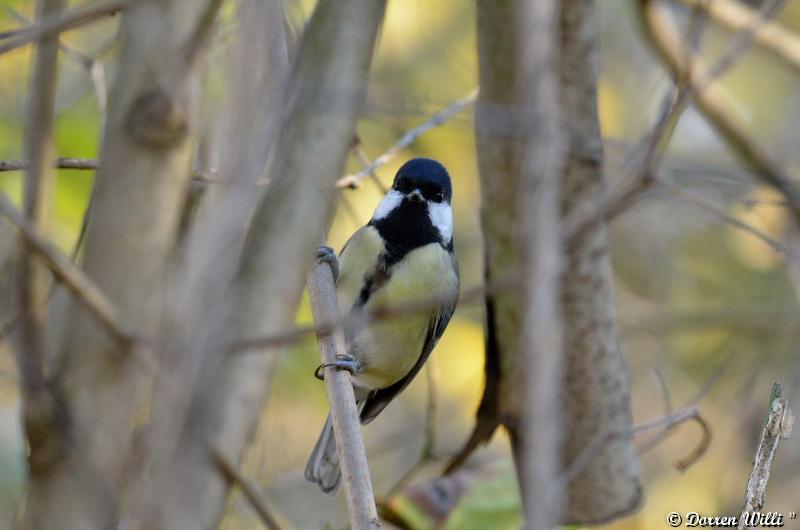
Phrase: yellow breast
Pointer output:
(389, 348)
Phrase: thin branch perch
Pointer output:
(354, 180)
(208, 176)
(346, 424)
(777, 425)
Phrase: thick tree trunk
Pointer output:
(597, 399)
(595, 402)
(223, 394)
(144, 171)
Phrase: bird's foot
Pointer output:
(328, 255)
(342, 362)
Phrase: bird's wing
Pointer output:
(359, 258)
(377, 400)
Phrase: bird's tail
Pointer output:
(323, 465)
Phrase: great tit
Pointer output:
(404, 254)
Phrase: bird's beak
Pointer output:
(416, 196)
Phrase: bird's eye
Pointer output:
(439, 196)
(401, 184)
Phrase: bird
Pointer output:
(403, 254)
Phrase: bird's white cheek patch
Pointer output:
(389, 203)
(442, 218)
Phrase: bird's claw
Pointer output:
(342, 362)
(328, 255)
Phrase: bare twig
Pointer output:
(346, 424)
(73, 277)
(670, 422)
(666, 395)
(41, 410)
(208, 176)
(777, 424)
(664, 424)
(354, 180)
(700, 202)
(476, 294)
(355, 320)
(38, 144)
(647, 156)
(662, 30)
(60, 163)
(92, 66)
(248, 489)
(427, 453)
(770, 35)
(70, 20)
(743, 39)
(362, 158)
(537, 444)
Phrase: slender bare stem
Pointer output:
(354, 180)
(662, 30)
(41, 411)
(737, 16)
(543, 260)
(33, 278)
(346, 424)
(72, 19)
(73, 277)
(248, 489)
(698, 201)
(209, 176)
(777, 424)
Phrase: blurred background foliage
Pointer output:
(703, 307)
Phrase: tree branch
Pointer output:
(692, 198)
(538, 447)
(209, 176)
(249, 490)
(647, 155)
(314, 111)
(346, 424)
(711, 101)
(737, 16)
(70, 20)
(253, 345)
(42, 414)
(777, 424)
(354, 180)
(144, 171)
(86, 291)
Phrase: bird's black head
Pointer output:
(416, 211)
(426, 175)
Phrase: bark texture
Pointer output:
(597, 397)
(144, 170)
(306, 136)
(344, 412)
(595, 401)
